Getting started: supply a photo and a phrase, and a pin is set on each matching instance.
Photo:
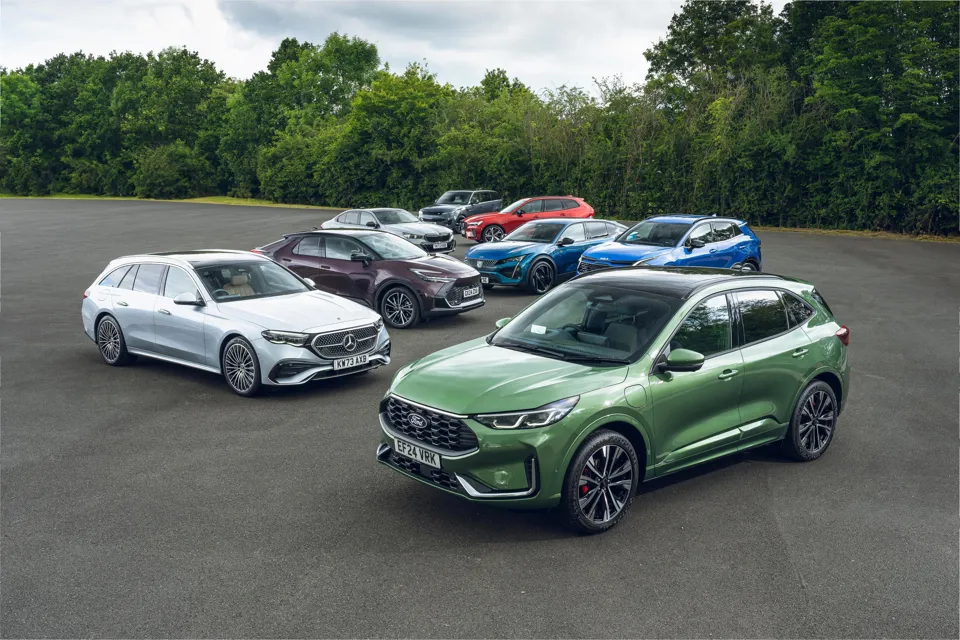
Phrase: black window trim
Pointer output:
(731, 310)
(779, 291)
(191, 273)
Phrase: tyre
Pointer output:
(600, 484)
(540, 277)
(241, 367)
(458, 225)
(493, 233)
(110, 341)
(749, 265)
(399, 308)
(813, 424)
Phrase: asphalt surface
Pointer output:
(151, 502)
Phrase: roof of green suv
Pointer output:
(675, 282)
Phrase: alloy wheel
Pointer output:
(817, 420)
(747, 266)
(108, 339)
(542, 277)
(239, 367)
(493, 234)
(398, 307)
(605, 483)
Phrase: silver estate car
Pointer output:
(230, 312)
(432, 238)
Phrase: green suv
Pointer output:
(617, 377)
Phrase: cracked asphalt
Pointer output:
(151, 502)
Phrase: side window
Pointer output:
(489, 195)
(114, 277)
(725, 231)
(341, 248)
(797, 311)
(706, 329)
(308, 246)
(575, 232)
(570, 204)
(553, 205)
(597, 230)
(148, 278)
(178, 281)
(703, 233)
(476, 198)
(819, 298)
(762, 314)
(534, 206)
(614, 230)
(127, 282)
(350, 217)
(367, 217)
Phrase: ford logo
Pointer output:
(417, 421)
(349, 342)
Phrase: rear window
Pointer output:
(114, 277)
(553, 205)
(570, 204)
(819, 298)
(762, 315)
(127, 282)
(797, 310)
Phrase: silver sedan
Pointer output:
(432, 238)
(230, 312)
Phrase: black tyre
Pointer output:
(493, 233)
(813, 424)
(601, 483)
(540, 277)
(110, 341)
(749, 265)
(399, 308)
(241, 367)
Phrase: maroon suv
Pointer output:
(395, 277)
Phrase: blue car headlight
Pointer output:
(506, 262)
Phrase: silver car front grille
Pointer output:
(344, 343)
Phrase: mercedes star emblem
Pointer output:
(349, 342)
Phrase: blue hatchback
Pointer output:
(539, 254)
(680, 241)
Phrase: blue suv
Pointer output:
(680, 241)
(540, 253)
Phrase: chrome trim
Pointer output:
(473, 493)
(468, 303)
(316, 349)
(382, 449)
(186, 363)
(428, 408)
(443, 453)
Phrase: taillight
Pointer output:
(86, 294)
(844, 334)
(256, 251)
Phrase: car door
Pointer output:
(302, 256)
(553, 208)
(368, 220)
(525, 214)
(491, 202)
(697, 413)
(179, 328)
(725, 246)
(776, 362)
(133, 305)
(566, 257)
(337, 273)
(704, 256)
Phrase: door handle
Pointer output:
(799, 352)
(713, 250)
(326, 266)
(122, 303)
(163, 311)
(727, 374)
(285, 260)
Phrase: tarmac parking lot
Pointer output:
(150, 501)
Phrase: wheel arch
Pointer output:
(392, 283)
(624, 425)
(227, 337)
(826, 375)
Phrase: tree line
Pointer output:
(830, 114)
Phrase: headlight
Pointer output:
(412, 236)
(545, 415)
(508, 261)
(286, 337)
(473, 224)
(378, 324)
(432, 276)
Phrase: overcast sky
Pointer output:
(545, 43)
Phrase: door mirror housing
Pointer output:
(373, 225)
(694, 243)
(502, 322)
(188, 299)
(360, 257)
(565, 241)
(681, 360)
(310, 282)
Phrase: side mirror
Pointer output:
(565, 241)
(310, 282)
(188, 299)
(694, 243)
(360, 257)
(681, 360)
(519, 212)
(502, 322)
(372, 224)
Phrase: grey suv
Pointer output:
(453, 207)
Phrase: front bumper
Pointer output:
(448, 299)
(285, 365)
(509, 275)
(437, 245)
(449, 223)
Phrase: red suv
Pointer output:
(491, 227)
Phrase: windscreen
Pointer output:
(455, 197)
(243, 280)
(536, 232)
(656, 234)
(390, 247)
(395, 216)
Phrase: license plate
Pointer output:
(439, 245)
(484, 280)
(419, 454)
(346, 363)
(472, 291)
(469, 234)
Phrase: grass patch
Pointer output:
(886, 235)
(243, 202)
